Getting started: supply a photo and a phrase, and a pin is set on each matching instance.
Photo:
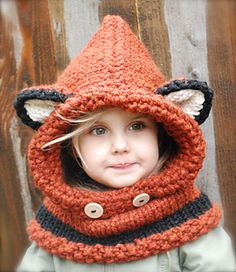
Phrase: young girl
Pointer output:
(116, 155)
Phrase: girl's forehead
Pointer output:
(118, 112)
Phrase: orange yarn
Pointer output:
(139, 249)
(155, 210)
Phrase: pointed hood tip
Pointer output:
(112, 18)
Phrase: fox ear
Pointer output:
(192, 96)
(34, 105)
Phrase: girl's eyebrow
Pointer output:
(139, 116)
(104, 122)
(98, 123)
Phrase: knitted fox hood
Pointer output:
(157, 213)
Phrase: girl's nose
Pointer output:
(120, 145)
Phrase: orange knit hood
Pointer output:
(116, 70)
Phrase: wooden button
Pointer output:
(141, 200)
(93, 210)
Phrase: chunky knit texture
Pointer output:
(116, 70)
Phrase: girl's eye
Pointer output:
(98, 131)
(137, 126)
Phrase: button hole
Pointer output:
(140, 201)
(93, 211)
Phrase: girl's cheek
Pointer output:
(96, 146)
(146, 140)
(101, 151)
(149, 143)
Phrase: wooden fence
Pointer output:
(196, 39)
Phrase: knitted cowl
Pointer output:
(177, 211)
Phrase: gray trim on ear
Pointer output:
(193, 96)
(34, 105)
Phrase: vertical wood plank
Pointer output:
(56, 13)
(81, 21)
(188, 46)
(26, 58)
(222, 58)
(42, 41)
(153, 32)
(12, 213)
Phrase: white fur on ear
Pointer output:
(190, 101)
(38, 109)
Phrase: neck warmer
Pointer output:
(157, 213)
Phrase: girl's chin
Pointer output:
(119, 184)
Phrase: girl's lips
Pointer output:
(122, 166)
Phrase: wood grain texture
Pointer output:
(188, 47)
(81, 21)
(23, 34)
(154, 32)
(222, 59)
(42, 43)
(12, 216)
(58, 32)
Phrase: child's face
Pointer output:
(120, 148)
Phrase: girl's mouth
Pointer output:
(122, 166)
